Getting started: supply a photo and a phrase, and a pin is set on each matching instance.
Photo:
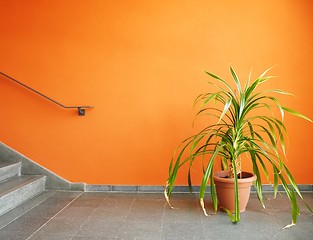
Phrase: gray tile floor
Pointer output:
(145, 216)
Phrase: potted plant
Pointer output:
(245, 129)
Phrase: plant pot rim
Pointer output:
(220, 176)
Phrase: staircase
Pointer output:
(16, 188)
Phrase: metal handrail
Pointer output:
(80, 109)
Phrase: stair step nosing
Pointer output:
(19, 195)
(9, 170)
(28, 181)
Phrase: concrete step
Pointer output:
(23, 208)
(18, 189)
(9, 170)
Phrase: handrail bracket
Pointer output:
(81, 111)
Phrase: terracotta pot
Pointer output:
(225, 190)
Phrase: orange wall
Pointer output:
(141, 64)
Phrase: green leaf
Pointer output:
(257, 183)
(226, 107)
(208, 171)
(222, 81)
(237, 209)
(292, 197)
(189, 181)
(235, 77)
(248, 81)
(263, 167)
(293, 112)
(275, 186)
(230, 215)
(213, 193)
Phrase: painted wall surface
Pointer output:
(141, 64)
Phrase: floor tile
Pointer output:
(93, 238)
(178, 231)
(14, 235)
(60, 199)
(99, 228)
(76, 212)
(103, 216)
(64, 226)
(25, 224)
(89, 200)
(113, 209)
(146, 211)
(140, 230)
(51, 236)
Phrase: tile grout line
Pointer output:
(129, 210)
(124, 221)
(88, 218)
(53, 216)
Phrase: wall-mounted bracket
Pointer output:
(81, 111)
